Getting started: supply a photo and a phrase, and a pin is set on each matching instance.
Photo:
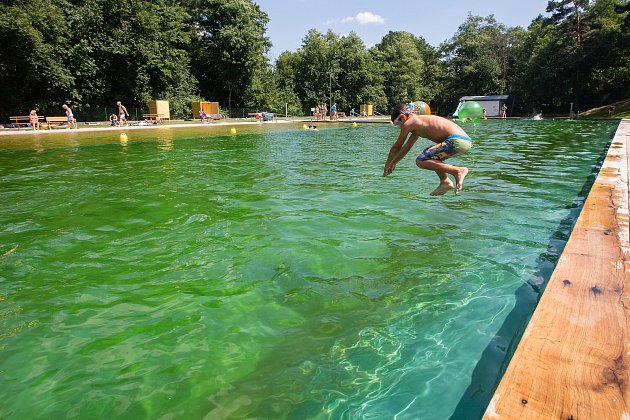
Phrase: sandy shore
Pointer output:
(174, 125)
(91, 128)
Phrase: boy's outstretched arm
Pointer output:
(397, 153)
(405, 148)
(389, 163)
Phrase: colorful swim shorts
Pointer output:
(453, 145)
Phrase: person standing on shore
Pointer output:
(122, 114)
(71, 120)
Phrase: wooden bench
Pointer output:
(153, 117)
(22, 120)
(59, 121)
(341, 115)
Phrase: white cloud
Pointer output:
(365, 18)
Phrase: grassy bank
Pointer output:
(622, 110)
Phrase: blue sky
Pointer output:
(435, 21)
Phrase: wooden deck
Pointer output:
(573, 359)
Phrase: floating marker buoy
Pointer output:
(232, 130)
(304, 126)
(354, 124)
(123, 137)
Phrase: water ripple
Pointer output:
(273, 274)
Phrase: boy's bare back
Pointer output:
(432, 127)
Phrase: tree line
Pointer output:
(91, 53)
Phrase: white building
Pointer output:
(492, 104)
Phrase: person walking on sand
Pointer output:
(504, 111)
(451, 140)
(71, 120)
(122, 114)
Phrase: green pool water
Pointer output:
(274, 273)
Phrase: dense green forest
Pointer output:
(91, 53)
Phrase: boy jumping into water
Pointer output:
(450, 138)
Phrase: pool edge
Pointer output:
(571, 361)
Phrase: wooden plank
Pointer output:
(572, 361)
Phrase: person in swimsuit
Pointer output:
(450, 138)
(122, 114)
(70, 115)
(34, 119)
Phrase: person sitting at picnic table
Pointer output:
(34, 119)
(202, 115)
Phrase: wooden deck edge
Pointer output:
(573, 359)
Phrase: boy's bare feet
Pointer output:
(459, 179)
(443, 188)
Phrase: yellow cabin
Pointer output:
(366, 110)
(160, 108)
(211, 109)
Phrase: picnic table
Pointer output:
(59, 121)
(153, 117)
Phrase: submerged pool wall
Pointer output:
(572, 359)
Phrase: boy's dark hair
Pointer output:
(399, 109)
